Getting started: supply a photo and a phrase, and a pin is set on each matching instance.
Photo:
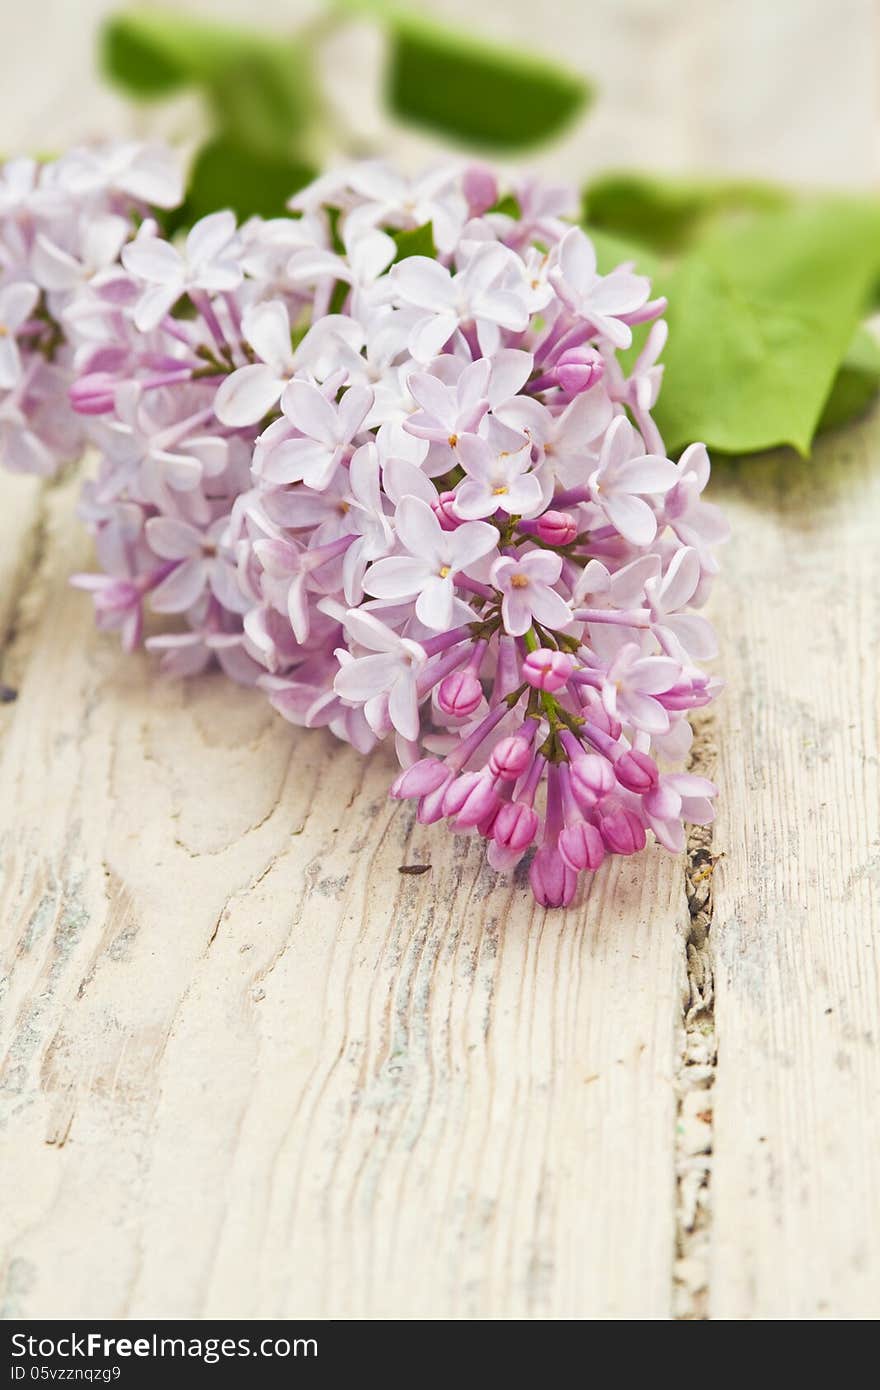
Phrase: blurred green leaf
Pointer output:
(669, 214)
(226, 175)
(760, 318)
(151, 53)
(266, 99)
(416, 242)
(260, 86)
(466, 87)
(856, 384)
(508, 205)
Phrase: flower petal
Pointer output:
(171, 539)
(180, 590)
(631, 516)
(434, 603)
(397, 576)
(247, 395)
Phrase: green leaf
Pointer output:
(856, 384)
(668, 214)
(509, 206)
(265, 99)
(153, 52)
(225, 175)
(260, 86)
(417, 242)
(465, 87)
(760, 317)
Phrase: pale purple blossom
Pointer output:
(208, 262)
(603, 300)
(440, 515)
(384, 679)
(624, 478)
(527, 586)
(432, 561)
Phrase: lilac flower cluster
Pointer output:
(406, 494)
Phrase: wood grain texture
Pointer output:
(253, 1069)
(249, 1068)
(796, 1183)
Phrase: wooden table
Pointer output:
(252, 1069)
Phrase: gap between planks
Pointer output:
(698, 1062)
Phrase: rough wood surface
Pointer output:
(796, 1184)
(252, 1068)
(249, 1068)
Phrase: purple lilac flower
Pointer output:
(442, 512)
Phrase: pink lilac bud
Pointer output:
(581, 846)
(515, 826)
(510, 758)
(556, 528)
(636, 771)
(592, 777)
(620, 827)
(554, 883)
(424, 776)
(94, 394)
(547, 670)
(469, 798)
(578, 369)
(431, 804)
(443, 508)
(604, 721)
(480, 187)
(459, 694)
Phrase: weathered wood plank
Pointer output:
(254, 1069)
(796, 1184)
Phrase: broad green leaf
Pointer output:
(668, 214)
(225, 175)
(266, 99)
(417, 242)
(153, 52)
(260, 86)
(760, 318)
(463, 86)
(857, 382)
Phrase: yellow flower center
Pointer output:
(444, 571)
(519, 581)
(499, 491)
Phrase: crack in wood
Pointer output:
(695, 1076)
